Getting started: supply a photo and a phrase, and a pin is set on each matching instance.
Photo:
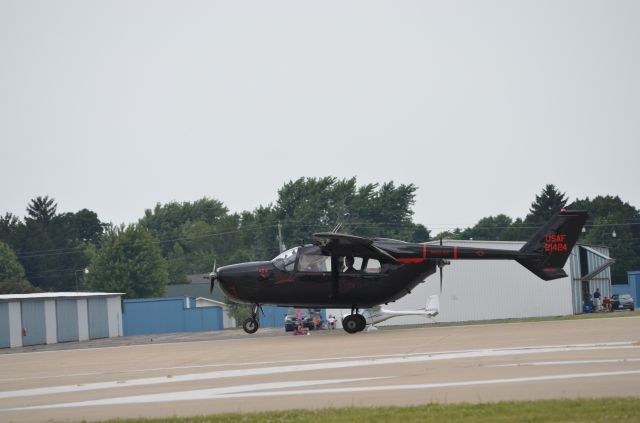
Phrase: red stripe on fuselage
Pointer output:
(424, 251)
(455, 252)
(411, 260)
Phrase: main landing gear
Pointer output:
(355, 322)
(251, 325)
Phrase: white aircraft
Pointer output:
(430, 310)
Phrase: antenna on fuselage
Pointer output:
(340, 224)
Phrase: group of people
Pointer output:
(600, 303)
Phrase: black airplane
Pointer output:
(313, 275)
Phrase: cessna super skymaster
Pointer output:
(313, 276)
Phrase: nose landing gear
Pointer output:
(251, 324)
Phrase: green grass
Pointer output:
(618, 410)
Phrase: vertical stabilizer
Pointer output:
(546, 253)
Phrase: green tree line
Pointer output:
(50, 251)
(612, 223)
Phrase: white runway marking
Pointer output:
(562, 363)
(199, 394)
(313, 367)
(249, 391)
(307, 360)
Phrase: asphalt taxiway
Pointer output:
(237, 372)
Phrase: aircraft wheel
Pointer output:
(362, 322)
(350, 323)
(250, 325)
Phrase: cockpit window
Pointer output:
(286, 260)
(312, 260)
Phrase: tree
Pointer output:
(9, 226)
(606, 215)
(129, 261)
(10, 267)
(309, 205)
(548, 203)
(42, 209)
(488, 228)
(177, 266)
(166, 221)
(51, 247)
(83, 225)
(12, 277)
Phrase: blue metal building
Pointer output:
(169, 315)
(632, 286)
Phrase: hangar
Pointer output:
(48, 318)
(503, 289)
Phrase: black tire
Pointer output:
(250, 325)
(350, 323)
(362, 322)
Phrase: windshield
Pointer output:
(286, 260)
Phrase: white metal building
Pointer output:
(228, 321)
(47, 318)
(503, 289)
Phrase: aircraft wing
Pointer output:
(350, 245)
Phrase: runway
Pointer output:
(512, 361)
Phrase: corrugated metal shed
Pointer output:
(58, 317)
(490, 289)
(34, 330)
(98, 317)
(5, 336)
(67, 319)
(589, 270)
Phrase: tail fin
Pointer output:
(433, 306)
(548, 250)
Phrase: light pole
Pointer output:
(85, 271)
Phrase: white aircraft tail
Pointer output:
(433, 305)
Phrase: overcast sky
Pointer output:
(117, 105)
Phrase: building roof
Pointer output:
(212, 302)
(194, 290)
(54, 295)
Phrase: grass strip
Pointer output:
(618, 410)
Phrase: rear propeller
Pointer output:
(442, 263)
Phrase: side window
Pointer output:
(357, 263)
(290, 264)
(314, 263)
(373, 266)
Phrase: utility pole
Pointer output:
(281, 245)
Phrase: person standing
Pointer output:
(596, 300)
(607, 304)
